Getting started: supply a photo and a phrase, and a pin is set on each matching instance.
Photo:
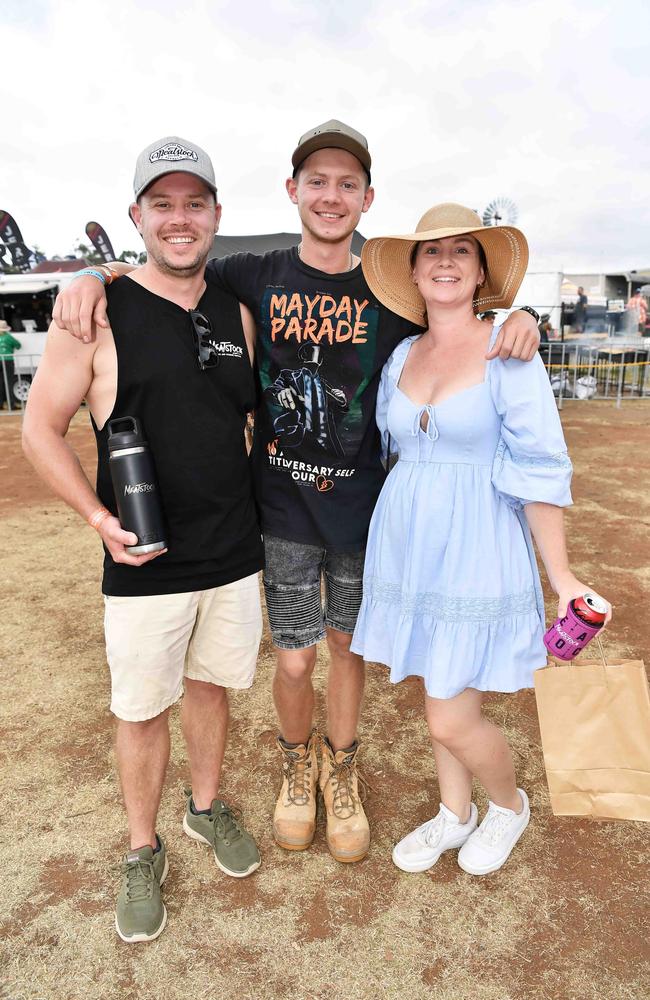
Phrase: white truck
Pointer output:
(26, 302)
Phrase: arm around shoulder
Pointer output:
(238, 273)
(81, 307)
(518, 338)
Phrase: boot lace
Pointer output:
(139, 879)
(297, 771)
(344, 775)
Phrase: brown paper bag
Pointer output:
(594, 718)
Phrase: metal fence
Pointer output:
(613, 368)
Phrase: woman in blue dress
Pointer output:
(451, 588)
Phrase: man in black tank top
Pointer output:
(178, 358)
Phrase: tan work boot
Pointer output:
(348, 833)
(294, 820)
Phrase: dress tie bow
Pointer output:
(431, 430)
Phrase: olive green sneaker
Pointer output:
(140, 914)
(235, 851)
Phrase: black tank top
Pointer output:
(194, 423)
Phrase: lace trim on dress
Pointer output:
(451, 609)
(560, 460)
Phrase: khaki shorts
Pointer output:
(152, 643)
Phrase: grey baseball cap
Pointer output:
(169, 156)
(334, 134)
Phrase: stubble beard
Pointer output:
(185, 270)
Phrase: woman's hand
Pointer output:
(568, 587)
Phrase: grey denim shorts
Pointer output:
(292, 584)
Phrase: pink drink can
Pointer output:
(567, 636)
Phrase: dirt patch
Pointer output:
(564, 920)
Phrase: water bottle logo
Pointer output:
(139, 488)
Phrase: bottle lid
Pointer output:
(125, 432)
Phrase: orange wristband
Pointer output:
(98, 517)
(109, 273)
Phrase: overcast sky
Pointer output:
(545, 103)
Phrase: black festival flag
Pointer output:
(11, 239)
(100, 241)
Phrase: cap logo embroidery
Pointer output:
(172, 151)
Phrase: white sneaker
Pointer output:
(420, 849)
(490, 845)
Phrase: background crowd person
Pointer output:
(580, 311)
(8, 344)
(637, 309)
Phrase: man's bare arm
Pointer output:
(81, 307)
(63, 379)
(250, 330)
(518, 338)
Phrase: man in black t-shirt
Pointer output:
(316, 491)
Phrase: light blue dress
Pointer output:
(451, 591)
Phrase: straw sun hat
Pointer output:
(388, 270)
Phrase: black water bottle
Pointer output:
(135, 485)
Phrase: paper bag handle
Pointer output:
(602, 656)
(571, 663)
(601, 651)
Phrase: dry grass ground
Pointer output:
(565, 920)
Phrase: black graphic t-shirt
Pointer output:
(322, 340)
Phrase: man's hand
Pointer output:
(518, 338)
(116, 539)
(287, 398)
(81, 307)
